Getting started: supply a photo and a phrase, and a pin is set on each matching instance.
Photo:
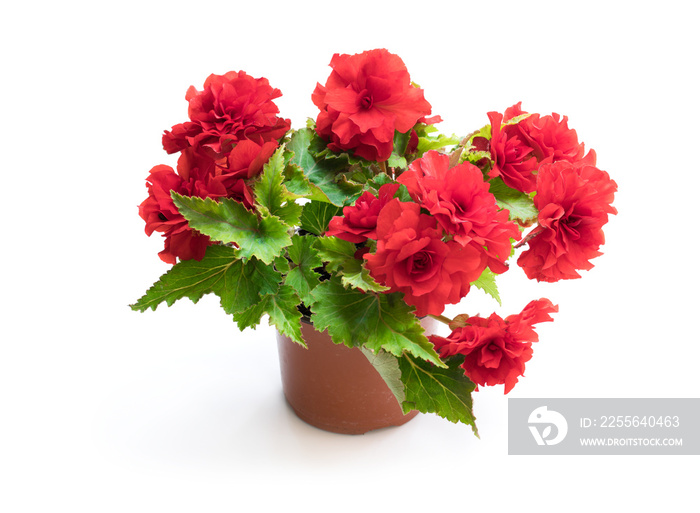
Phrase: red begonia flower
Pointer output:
(513, 159)
(574, 201)
(367, 97)
(495, 349)
(461, 202)
(518, 149)
(161, 215)
(231, 108)
(359, 221)
(550, 138)
(412, 258)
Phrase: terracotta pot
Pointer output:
(334, 387)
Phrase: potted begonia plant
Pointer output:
(367, 222)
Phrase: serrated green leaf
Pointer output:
(443, 391)
(427, 142)
(484, 131)
(272, 195)
(281, 264)
(238, 284)
(319, 147)
(322, 172)
(377, 181)
(520, 206)
(302, 277)
(377, 321)
(475, 157)
(396, 161)
(487, 283)
(244, 284)
(297, 183)
(339, 257)
(188, 279)
(227, 221)
(282, 311)
(387, 365)
(355, 274)
(316, 215)
(335, 252)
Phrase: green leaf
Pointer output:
(403, 194)
(282, 311)
(355, 274)
(239, 284)
(302, 277)
(401, 141)
(387, 365)
(471, 154)
(487, 283)
(378, 180)
(427, 142)
(322, 172)
(516, 119)
(520, 206)
(272, 195)
(229, 221)
(339, 256)
(281, 264)
(297, 183)
(436, 143)
(335, 252)
(476, 157)
(244, 284)
(444, 391)
(316, 216)
(377, 321)
(484, 132)
(396, 161)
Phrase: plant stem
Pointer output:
(441, 318)
(534, 233)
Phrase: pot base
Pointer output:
(349, 427)
(334, 387)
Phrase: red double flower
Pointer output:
(412, 258)
(367, 97)
(574, 202)
(194, 177)
(519, 148)
(231, 108)
(359, 221)
(495, 350)
(459, 199)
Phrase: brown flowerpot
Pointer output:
(334, 387)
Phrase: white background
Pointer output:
(104, 409)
